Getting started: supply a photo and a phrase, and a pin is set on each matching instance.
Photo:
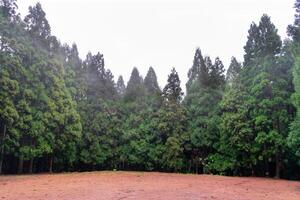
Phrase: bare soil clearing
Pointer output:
(144, 186)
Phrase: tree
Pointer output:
(36, 22)
(172, 92)
(150, 82)
(294, 30)
(74, 74)
(262, 40)
(121, 86)
(100, 83)
(172, 124)
(135, 90)
(294, 137)
(216, 74)
(9, 88)
(201, 103)
(263, 85)
(198, 73)
(233, 71)
(9, 8)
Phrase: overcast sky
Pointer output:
(159, 33)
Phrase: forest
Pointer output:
(61, 113)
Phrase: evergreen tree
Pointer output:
(294, 136)
(150, 82)
(121, 86)
(100, 83)
(294, 30)
(172, 92)
(172, 125)
(262, 40)
(233, 71)
(263, 85)
(198, 74)
(135, 89)
(9, 88)
(202, 106)
(9, 8)
(36, 22)
(216, 74)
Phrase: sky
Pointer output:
(159, 33)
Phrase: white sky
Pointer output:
(159, 33)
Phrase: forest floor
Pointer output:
(144, 186)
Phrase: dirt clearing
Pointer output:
(144, 186)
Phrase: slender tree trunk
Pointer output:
(197, 163)
(267, 173)
(266, 163)
(252, 171)
(51, 164)
(2, 148)
(278, 166)
(20, 166)
(31, 166)
(190, 166)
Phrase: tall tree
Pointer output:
(135, 89)
(198, 73)
(233, 71)
(172, 92)
(36, 22)
(172, 124)
(262, 40)
(150, 82)
(294, 30)
(121, 86)
(201, 103)
(9, 88)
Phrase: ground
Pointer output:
(144, 186)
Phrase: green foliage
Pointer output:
(294, 136)
(61, 113)
(172, 92)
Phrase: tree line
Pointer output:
(61, 113)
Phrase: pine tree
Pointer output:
(264, 87)
(150, 82)
(294, 30)
(172, 124)
(172, 92)
(262, 40)
(294, 136)
(135, 89)
(9, 88)
(233, 71)
(198, 74)
(216, 74)
(202, 106)
(36, 22)
(121, 86)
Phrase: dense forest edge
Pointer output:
(60, 113)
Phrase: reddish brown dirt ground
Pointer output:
(144, 186)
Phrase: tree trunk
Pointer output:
(30, 166)
(190, 166)
(197, 166)
(20, 166)
(278, 166)
(252, 171)
(2, 148)
(50, 164)
(267, 173)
